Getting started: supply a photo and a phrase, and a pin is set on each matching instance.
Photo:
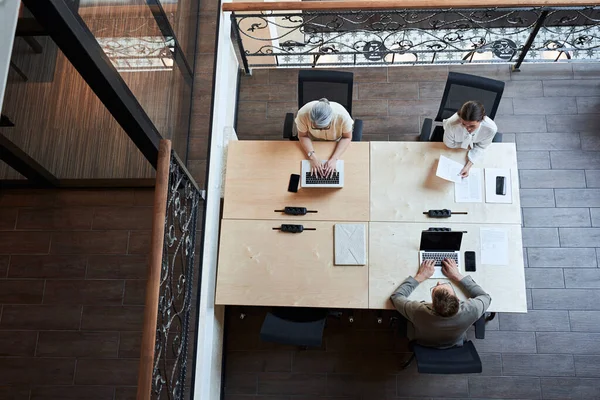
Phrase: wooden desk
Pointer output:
(404, 184)
(258, 173)
(263, 267)
(394, 255)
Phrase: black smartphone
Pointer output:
(500, 185)
(470, 261)
(294, 181)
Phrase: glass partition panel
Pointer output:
(60, 122)
(139, 41)
(183, 16)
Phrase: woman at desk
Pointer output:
(469, 128)
(324, 120)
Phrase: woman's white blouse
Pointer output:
(456, 136)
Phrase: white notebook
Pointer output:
(350, 244)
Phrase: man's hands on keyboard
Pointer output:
(450, 269)
(425, 271)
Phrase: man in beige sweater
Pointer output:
(443, 322)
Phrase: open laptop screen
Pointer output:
(440, 241)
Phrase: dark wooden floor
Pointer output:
(552, 112)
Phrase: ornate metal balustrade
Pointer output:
(173, 282)
(176, 282)
(409, 36)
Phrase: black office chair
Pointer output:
(461, 88)
(454, 360)
(333, 85)
(295, 326)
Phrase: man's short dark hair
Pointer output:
(444, 303)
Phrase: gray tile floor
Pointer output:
(552, 112)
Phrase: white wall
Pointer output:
(9, 12)
(211, 317)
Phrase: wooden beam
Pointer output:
(144, 389)
(396, 4)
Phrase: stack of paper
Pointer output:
(494, 246)
(470, 190)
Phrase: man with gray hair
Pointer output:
(324, 120)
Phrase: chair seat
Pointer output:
(298, 327)
(455, 360)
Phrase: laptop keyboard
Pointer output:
(439, 257)
(318, 180)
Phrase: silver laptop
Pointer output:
(439, 245)
(313, 181)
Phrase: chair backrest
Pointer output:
(294, 326)
(461, 88)
(455, 360)
(314, 84)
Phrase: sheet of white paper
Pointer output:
(494, 246)
(490, 185)
(470, 190)
(448, 169)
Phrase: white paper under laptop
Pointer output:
(310, 180)
(470, 190)
(439, 245)
(449, 169)
(490, 185)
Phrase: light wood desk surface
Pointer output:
(258, 173)
(404, 183)
(394, 255)
(264, 267)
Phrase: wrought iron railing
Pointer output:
(173, 279)
(416, 36)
